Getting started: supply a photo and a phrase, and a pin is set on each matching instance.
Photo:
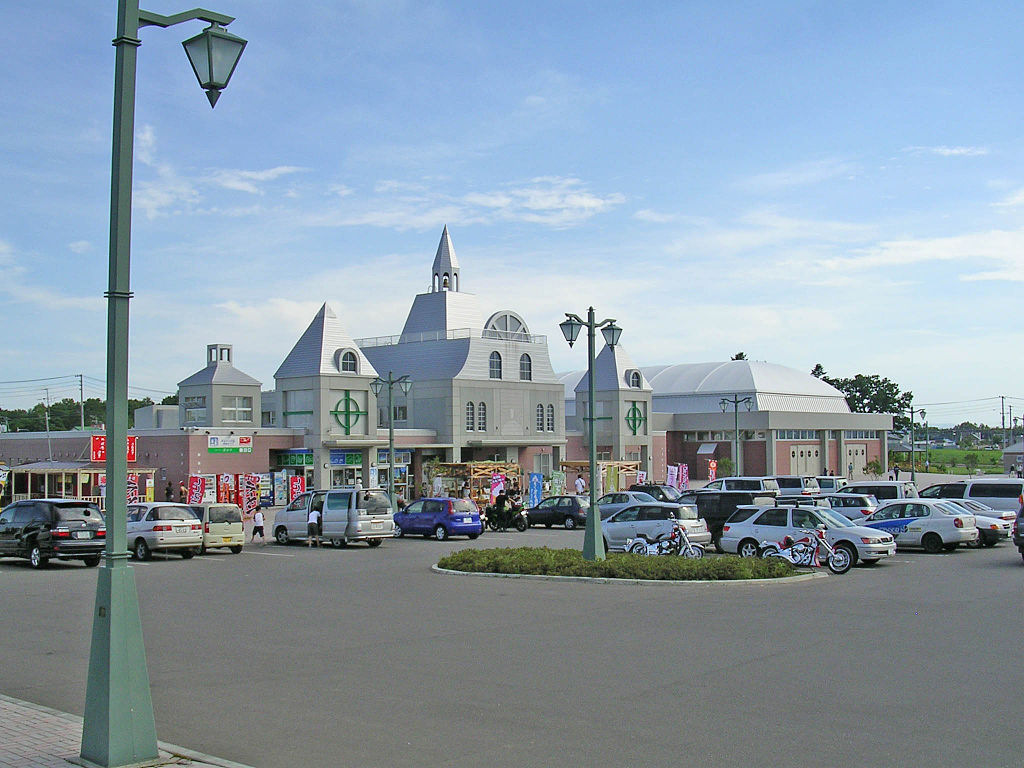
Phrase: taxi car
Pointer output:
(749, 526)
(933, 524)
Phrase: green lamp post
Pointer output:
(118, 727)
(593, 541)
(378, 385)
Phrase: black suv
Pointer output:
(660, 492)
(40, 529)
(1018, 532)
(717, 506)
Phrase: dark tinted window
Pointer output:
(375, 502)
(89, 512)
(7, 515)
(338, 501)
(881, 491)
(790, 483)
(772, 517)
(995, 490)
(433, 507)
(744, 485)
(40, 513)
(226, 514)
(654, 513)
(464, 506)
(628, 515)
(23, 513)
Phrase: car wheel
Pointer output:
(141, 550)
(236, 549)
(399, 533)
(375, 542)
(932, 543)
(548, 525)
(608, 548)
(92, 561)
(748, 548)
(990, 541)
(717, 542)
(950, 547)
(440, 533)
(202, 549)
(872, 561)
(339, 543)
(281, 535)
(570, 523)
(472, 535)
(188, 553)
(36, 558)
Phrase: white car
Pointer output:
(163, 527)
(993, 526)
(751, 525)
(933, 524)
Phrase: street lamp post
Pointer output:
(593, 541)
(735, 401)
(913, 448)
(378, 385)
(119, 728)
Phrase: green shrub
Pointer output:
(570, 562)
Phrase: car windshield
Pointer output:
(78, 512)
(832, 519)
(175, 513)
(951, 509)
(670, 493)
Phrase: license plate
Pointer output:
(83, 534)
(467, 519)
(226, 538)
(376, 525)
(181, 529)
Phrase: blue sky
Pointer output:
(804, 181)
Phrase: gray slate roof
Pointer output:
(314, 352)
(219, 372)
(610, 368)
(444, 259)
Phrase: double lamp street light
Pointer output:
(118, 727)
(593, 541)
(378, 385)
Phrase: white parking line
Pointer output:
(266, 554)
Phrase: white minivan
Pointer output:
(999, 493)
(222, 526)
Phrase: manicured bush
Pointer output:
(570, 562)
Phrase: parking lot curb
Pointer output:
(637, 582)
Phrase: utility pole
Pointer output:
(913, 457)
(1002, 415)
(49, 445)
(81, 399)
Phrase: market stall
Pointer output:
(478, 474)
(72, 480)
(611, 475)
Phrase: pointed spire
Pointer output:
(318, 350)
(445, 273)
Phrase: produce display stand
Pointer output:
(478, 473)
(627, 473)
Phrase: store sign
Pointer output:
(229, 443)
(401, 457)
(98, 449)
(340, 458)
(297, 459)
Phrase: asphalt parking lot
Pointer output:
(285, 656)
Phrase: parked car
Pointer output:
(611, 503)
(1018, 532)
(440, 518)
(751, 525)
(762, 484)
(805, 484)
(222, 526)
(933, 524)
(659, 492)
(998, 493)
(715, 507)
(856, 506)
(45, 529)
(883, 490)
(992, 529)
(346, 515)
(652, 520)
(830, 483)
(163, 526)
(570, 511)
(977, 508)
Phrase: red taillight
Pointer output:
(161, 527)
(206, 528)
(195, 527)
(61, 533)
(958, 522)
(725, 528)
(101, 533)
(865, 512)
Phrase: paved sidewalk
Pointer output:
(33, 736)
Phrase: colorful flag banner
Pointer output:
(196, 489)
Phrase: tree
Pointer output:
(971, 462)
(170, 400)
(871, 394)
(740, 356)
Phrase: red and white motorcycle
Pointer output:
(675, 543)
(809, 550)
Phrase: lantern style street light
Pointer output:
(378, 385)
(913, 448)
(118, 728)
(735, 402)
(593, 541)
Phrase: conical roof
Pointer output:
(316, 351)
(445, 262)
(610, 367)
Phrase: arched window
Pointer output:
(551, 418)
(495, 365)
(481, 417)
(348, 362)
(540, 418)
(634, 380)
(470, 417)
(525, 368)
(444, 282)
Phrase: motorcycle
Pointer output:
(675, 543)
(809, 550)
(511, 516)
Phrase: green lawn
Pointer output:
(953, 460)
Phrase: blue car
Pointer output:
(439, 518)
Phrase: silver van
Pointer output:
(762, 484)
(345, 515)
(883, 490)
(1000, 493)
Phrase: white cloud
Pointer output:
(801, 175)
(80, 246)
(654, 217)
(246, 181)
(944, 151)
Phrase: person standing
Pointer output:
(895, 471)
(257, 527)
(181, 491)
(313, 527)
(581, 485)
(169, 492)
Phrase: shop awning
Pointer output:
(707, 449)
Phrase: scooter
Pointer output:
(809, 550)
(675, 543)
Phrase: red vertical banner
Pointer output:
(712, 469)
(196, 489)
(98, 449)
(132, 495)
(133, 450)
(296, 486)
(250, 494)
(225, 486)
